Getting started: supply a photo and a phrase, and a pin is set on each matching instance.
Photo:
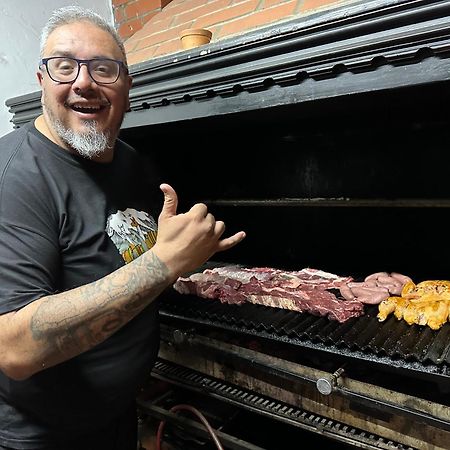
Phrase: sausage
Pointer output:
(346, 292)
(396, 289)
(367, 284)
(389, 280)
(372, 296)
(402, 278)
(393, 285)
(364, 290)
(375, 275)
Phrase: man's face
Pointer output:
(83, 105)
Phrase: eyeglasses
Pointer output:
(65, 70)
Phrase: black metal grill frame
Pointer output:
(391, 343)
(267, 406)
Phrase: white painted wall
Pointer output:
(20, 26)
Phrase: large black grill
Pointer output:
(336, 137)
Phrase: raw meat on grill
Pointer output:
(307, 290)
(375, 288)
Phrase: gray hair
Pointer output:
(71, 14)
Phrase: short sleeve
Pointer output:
(29, 248)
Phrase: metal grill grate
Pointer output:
(363, 336)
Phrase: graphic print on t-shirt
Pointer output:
(133, 232)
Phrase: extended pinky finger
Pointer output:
(231, 241)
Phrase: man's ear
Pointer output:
(39, 77)
(130, 83)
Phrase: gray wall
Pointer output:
(20, 26)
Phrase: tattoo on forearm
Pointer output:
(72, 322)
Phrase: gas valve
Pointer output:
(179, 337)
(327, 384)
(182, 337)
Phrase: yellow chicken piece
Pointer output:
(408, 288)
(394, 305)
(387, 307)
(414, 314)
(427, 303)
(402, 304)
(439, 287)
(437, 314)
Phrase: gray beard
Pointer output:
(89, 144)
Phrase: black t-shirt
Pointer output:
(66, 221)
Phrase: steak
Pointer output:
(308, 290)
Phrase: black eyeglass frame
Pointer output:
(121, 64)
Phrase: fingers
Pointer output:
(170, 200)
(203, 223)
(199, 209)
(231, 241)
(219, 228)
(216, 228)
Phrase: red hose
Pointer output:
(199, 415)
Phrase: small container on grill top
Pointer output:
(194, 37)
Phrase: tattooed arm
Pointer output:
(56, 328)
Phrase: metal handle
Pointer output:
(326, 385)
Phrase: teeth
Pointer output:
(86, 107)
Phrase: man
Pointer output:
(78, 321)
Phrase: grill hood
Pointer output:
(373, 46)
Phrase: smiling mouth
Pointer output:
(87, 109)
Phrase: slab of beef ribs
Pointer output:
(307, 290)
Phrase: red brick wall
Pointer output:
(152, 27)
(131, 15)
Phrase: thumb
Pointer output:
(170, 200)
